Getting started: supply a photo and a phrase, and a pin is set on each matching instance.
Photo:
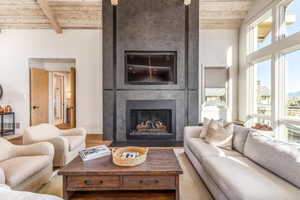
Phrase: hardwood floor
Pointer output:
(91, 140)
(95, 140)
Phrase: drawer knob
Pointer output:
(101, 182)
(156, 181)
(141, 181)
(88, 182)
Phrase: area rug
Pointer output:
(191, 186)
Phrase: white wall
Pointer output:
(220, 48)
(17, 46)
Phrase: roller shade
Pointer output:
(215, 77)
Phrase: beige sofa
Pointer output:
(258, 167)
(25, 167)
(67, 143)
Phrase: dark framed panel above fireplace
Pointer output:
(151, 67)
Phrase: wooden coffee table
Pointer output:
(156, 179)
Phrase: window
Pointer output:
(263, 87)
(292, 84)
(262, 32)
(215, 85)
(274, 83)
(215, 96)
(290, 23)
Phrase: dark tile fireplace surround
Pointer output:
(150, 71)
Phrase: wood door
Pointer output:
(73, 97)
(39, 96)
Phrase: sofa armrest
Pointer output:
(192, 132)
(2, 176)
(74, 132)
(41, 148)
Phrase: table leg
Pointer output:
(65, 192)
(177, 188)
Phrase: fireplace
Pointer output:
(150, 119)
(150, 71)
(150, 67)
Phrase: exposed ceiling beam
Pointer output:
(87, 14)
(50, 15)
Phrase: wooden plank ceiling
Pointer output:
(86, 14)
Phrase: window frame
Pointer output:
(252, 31)
(280, 45)
(284, 66)
(253, 87)
(281, 20)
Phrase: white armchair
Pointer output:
(25, 167)
(67, 143)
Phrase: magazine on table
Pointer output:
(94, 152)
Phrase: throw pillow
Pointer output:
(219, 135)
(203, 131)
(206, 121)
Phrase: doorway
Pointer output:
(53, 92)
(59, 89)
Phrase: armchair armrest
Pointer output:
(41, 148)
(2, 176)
(192, 131)
(74, 132)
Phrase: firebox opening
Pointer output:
(151, 119)
(151, 122)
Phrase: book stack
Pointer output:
(92, 153)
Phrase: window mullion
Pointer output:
(281, 96)
(275, 24)
(275, 93)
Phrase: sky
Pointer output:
(293, 58)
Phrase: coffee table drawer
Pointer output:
(149, 181)
(93, 181)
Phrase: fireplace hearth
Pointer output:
(151, 119)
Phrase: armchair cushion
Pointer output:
(18, 169)
(74, 141)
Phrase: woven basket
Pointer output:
(129, 162)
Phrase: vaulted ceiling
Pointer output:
(86, 14)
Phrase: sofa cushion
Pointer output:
(279, 157)
(74, 141)
(240, 135)
(18, 169)
(202, 149)
(240, 178)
